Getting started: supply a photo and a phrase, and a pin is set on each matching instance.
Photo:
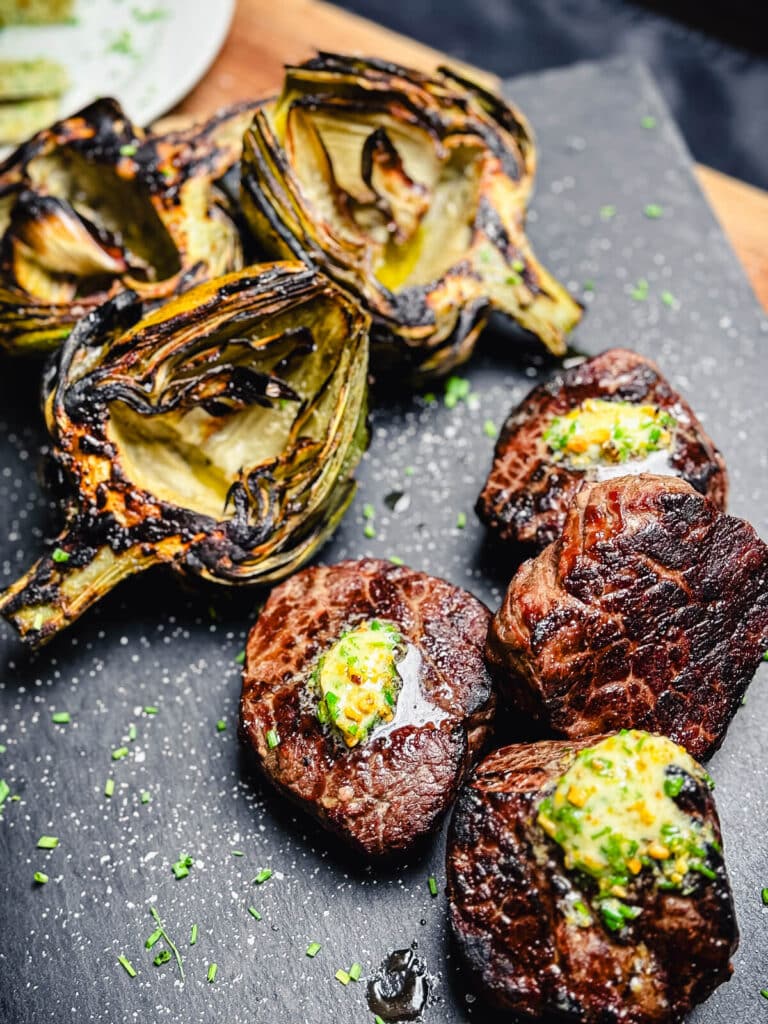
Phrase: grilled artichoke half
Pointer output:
(218, 435)
(411, 192)
(94, 205)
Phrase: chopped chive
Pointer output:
(653, 211)
(162, 957)
(518, 265)
(5, 791)
(764, 896)
(146, 796)
(589, 286)
(764, 993)
(409, 471)
(154, 938)
(132, 732)
(640, 291)
(313, 949)
(127, 966)
(396, 560)
(607, 212)
(61, 718)
(272, 738)
(127, 149)
(355, 971)
(368, 511)
(3, 748)
(182, 866)
(461, 520)
(40, 877)
(150, 709)
(668, 299)
(120, 753)
(648, 121)
(221, 725)
(240, 658)
(342, 976)
(254, 913)
(264, 875)
(171, 944)
(489, 429)
(369, 531)
(193, 935)
(212, 969)
(237, 853)
(377, 1019)
(432, 883)
(60, 555)
(109, 787)
(47, 842)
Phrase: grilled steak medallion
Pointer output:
(566, 433)
(366, 697)
(651, 610)
(586, 881)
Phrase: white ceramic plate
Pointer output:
(146, 53)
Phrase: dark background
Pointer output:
(710, 60)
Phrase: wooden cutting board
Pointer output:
(265, 35)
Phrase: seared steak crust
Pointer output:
(508, 888)
(650, 611)
(386, 793)
(526, 496)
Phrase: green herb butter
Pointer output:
(598, 431)
(357, 681)
(615, 815)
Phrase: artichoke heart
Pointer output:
(94, 205)
(410, 191)
(218, 434)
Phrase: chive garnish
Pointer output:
(409, 471)
(369, 531)
(237, 853)
(146, 796)
(127, 966)
(368, 511)
(272, 738)
(61, 718)
(764, 993)
(154, 938)
(461, 520)
(47, 842)
(120, 753)
(342, 976)
(264, 875)
(653, 211)
(640, 291)
(432, 883)
(608, 211)
(648, 121)
(212, 969)
(171, 945)
(127, 149)
(193, 935)
(109, 787)
(355, 971)
(396, 560)
(764, 896)
(668, 299)
(489, 429)
(377, 1019)
(254, 913)
(221, 725)
(313, 949)
(5, 790)
(132, 732)
(162, 957)
(240, 658)
(182, 866)
(40, 877)
(150, 709)
(60, 555)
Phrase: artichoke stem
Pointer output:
(62, 585)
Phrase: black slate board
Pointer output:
(159, 643)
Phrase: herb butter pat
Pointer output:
(357, 681)
(616, 816)
(598, 431)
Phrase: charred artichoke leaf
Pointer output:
(410, 190)
(94, 205)
(218, 434)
